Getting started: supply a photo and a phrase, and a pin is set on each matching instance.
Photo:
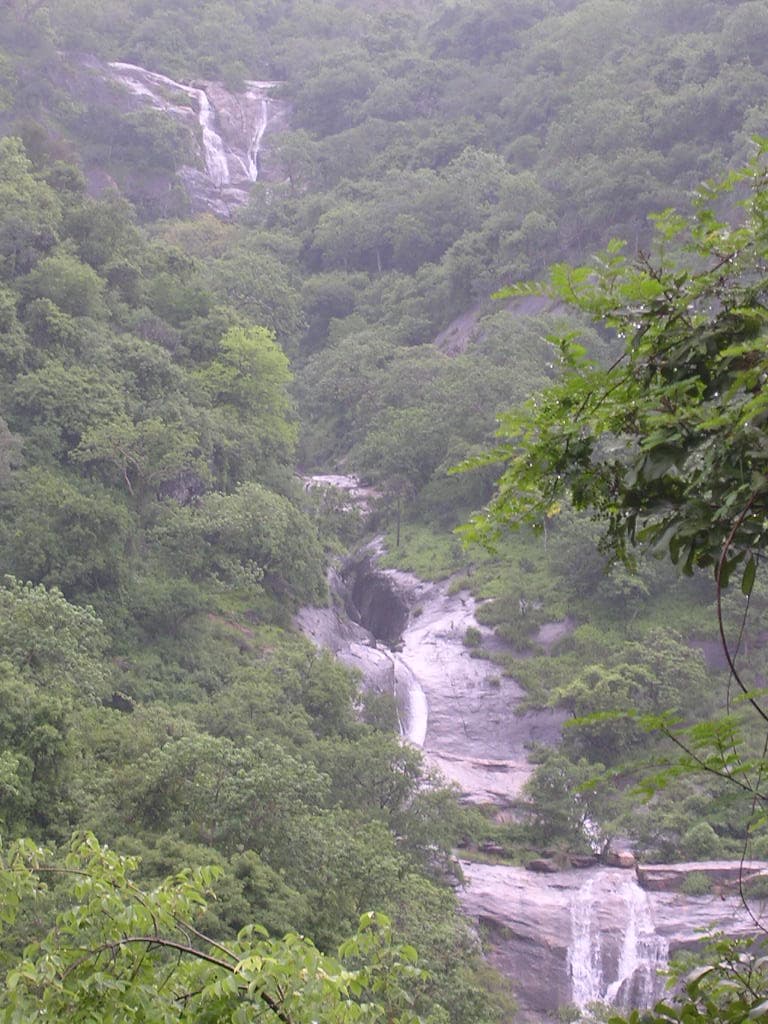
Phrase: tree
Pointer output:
(666, 447)
(246, 385)
(242, 538)
(31, 213)
(51, 659)
(10, 451)
(13, 346)
(260, 287)
(110, 951)
(38, 756)
(63, 532)
(73, 286)
(56, 404)
(143, 455)
(561, 799)
(51, 643)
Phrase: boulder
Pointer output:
(543, 866)
(493, 848)
(620, 859)
(582, 861)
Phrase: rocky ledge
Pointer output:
(725, 876)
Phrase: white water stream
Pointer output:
(644, 953)
(585, 964)
(414, 714)
(256, 91)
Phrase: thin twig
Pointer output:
(723, 640)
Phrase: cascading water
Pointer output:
(615, 962)
(585, 960)
(412, 702)
(256, 92)
(565, 936)
(138, 80)
(216, 161)
(644, 954)
(451, 704)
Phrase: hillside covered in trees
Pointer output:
(165, 375)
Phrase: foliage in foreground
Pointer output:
(667, 448)
(730, 989)
(113, 952)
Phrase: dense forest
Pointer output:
(166, 375)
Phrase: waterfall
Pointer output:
(256, 91)
(412, 699)
(643, 954)
(618, 961)
(136, 79)
(215, 155)
(585, 962)
(565, 937)
(232, 126)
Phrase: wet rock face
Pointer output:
(334, 629)
(474, 735)
(457, 708)
(725, 876)
(564, 937)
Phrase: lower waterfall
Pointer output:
(411, 699)
(644, 954)
(585, 953)
(614, 961)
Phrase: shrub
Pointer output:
(697, 884)
(472, 637)
(701, 842)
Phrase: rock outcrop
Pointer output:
(335, 630)
(379, 604)
(453, 705)
(565, 937)
(475, 735)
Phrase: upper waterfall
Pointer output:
(229, 127)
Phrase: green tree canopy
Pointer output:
(31, 212)
(667, 446)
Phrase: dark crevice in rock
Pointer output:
(375, 601)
